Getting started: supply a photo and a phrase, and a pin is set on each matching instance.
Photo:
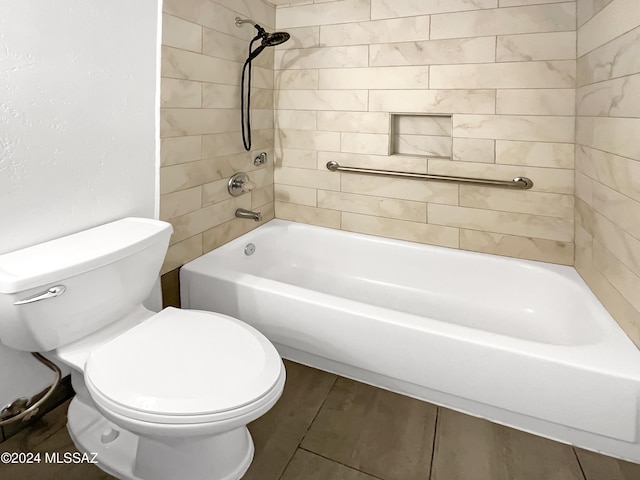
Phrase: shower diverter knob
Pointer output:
(239, 184)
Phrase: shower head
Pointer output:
(268, 39)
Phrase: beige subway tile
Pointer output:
(520, 224)
(261, 197)
(583, 247)
(178, 122)
(193, 223)
(180, 150)
(355, 122)
(215, 192)
(349, 100)
(194, 66)
(618, 173)
(588, 8)
(181, 34)
(505, 21)
(620, 209)
(303, 37)
(182, 252)
(409, 29)
(410, 8)
(536, 102)
(536, 46)
(176, 93)
(438, 125)
(623, 279)
(218, 95)
(384, 162)
(180, 203)
(186, 175)
(322, 57)
(370, 205)
(296, 119)
(612, 98)
(619, 242)
(609, 134)
(535, 154)
(473, 150)
(512, 127)
(221, 45)
(585, 216)
(208, 14)
(433, 52)
(433, 101)
(535, 203)
(219, 235)
(296, 80)
(302, 139)
(597, 66)
(519, 247)
(364, 143)
(376, 78)
(298, 158)
(298, 195)
(310, 215)
(548, 180)
(262, 12)
(423, 145)
(400, 229)
(520, 3)
(302, 177)
(551, 74)
(615, 19)
(228, 143)
(584, 188)
(345, 11)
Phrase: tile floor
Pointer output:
(330, 428)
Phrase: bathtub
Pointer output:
(521, 343)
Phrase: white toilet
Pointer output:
(159, 396)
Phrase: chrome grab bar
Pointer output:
(522, 183)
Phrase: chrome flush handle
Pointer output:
(52, 292)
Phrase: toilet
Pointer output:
(159, 396)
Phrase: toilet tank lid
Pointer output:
(80, 252)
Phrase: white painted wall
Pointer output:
(78, 121)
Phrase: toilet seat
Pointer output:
(185, 367)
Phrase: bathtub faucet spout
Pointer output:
(242, 213)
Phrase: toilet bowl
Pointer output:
(159, 396)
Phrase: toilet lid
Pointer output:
(185, 362)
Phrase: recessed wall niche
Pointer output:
(420, 135)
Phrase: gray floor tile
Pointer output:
(308, 466)
(600, 467)
(378, 432)
(469, 448)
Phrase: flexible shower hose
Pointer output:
(246, 114)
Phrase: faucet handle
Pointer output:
(239, 184)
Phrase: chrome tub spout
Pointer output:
(242, 213)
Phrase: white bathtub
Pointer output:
(525, 344)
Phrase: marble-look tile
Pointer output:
(617, 18)
(610, 135)
(584, 188)
(473, 150)
(262, 12)
(550, 74)
(376, 78)
(364, 143)
(539, 101)
(225, 232)
(526, 225)
(370, 205)
(322, 57)
(308, 466)
(349, 100)
(221, 45)
(619, 173)
(298, 119)
(176, 150)
(262, 200)
(520, 3)
(588, 8)
(195, 66)
(535, 154)
(296, 80)
(303, 37)
(410, 29)
(422, 145)
(218, 95)
(384, 162)
(401, 229)
(536, 46)
(181, 34)
(615, 59)
(208, 14)
(182, 252)
(311, 215)
(297, 158)
(355, 122)
(328, 141)
(178, 122)
(180, 203)
(434, 52)
(345, 11)
(618, 208)
(559, 17)
(176, 93)
(410, 8)
(302, 177)
(536, 203)
(519, 247)
(433, 101)
(298, 195)
(544, 179)
(513, 127)
(438, 125)
(215, 192)
(621, 277)
(612, 98)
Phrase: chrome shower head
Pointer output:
(268, 39)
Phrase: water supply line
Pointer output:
(18, 409)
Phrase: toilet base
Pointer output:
(130, 457)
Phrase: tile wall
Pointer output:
(201, 147)
(504, 70)
(608, 156)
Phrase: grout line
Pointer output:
(584, 475)
(433, 447)
(319, 410)
(340, 463)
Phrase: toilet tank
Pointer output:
(57, 292)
